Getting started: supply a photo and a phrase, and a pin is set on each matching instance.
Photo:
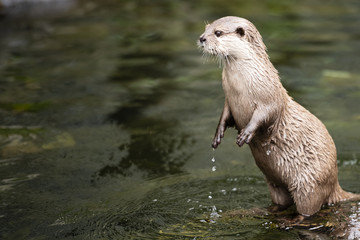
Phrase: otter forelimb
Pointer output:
(259, 117)
(226, 121)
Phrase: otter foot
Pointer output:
(218, 135)
(296, 221)
(244, 136)
(277, 208)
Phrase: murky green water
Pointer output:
(107, 112)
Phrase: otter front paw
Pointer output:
(218, 135)
(244, 136)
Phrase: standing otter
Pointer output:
(290, 145)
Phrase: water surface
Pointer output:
(107, 112)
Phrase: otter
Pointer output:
(290, 145)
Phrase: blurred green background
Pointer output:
(107, 113)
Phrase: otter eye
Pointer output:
(218, 33)
(240, 31)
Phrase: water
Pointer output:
(107, 112)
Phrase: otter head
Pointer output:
(232, 38)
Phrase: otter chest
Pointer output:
(239, 97)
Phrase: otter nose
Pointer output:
(202, 39)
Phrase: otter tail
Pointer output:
(339, 195)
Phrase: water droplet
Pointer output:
(223, 191)
(214, 214)
(268, 152)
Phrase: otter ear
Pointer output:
(254, 37)
(240, 31)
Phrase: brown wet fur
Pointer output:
(290, 145)
(277, 208)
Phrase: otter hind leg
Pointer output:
(309, 201)
(280, 197)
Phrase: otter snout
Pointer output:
(202, 39)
